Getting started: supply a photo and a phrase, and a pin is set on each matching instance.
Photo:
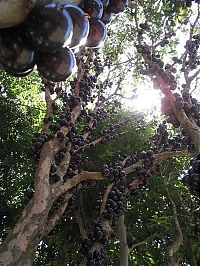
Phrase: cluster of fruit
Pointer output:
(128, 160)
(37, 144)
(161, 141)
(88, 85)
(113, 174)
(183, 102)
(192, 47)
(50, 33)
(95, 257)
(143, 27)
(112, 131)
(192, 177)
(115, 206)
(93, 117)
(163, 76)
(75, 165)
(148, 157)
(116, 202)
(166, 71)
(157, 69)
(143, 171)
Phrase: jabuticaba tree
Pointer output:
(74, 110)
(175, 79)
(59, 140)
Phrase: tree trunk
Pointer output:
(190, 252)
(173, 261)
(20, 246)
(124, 249)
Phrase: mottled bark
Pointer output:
(172, 258)
(20, 246)
(187, 241)
(124, 249)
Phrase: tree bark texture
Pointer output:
(173, 259)
(20, 246)
(124, 249)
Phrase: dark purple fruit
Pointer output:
(16, 56)
(94, 8)
(49, 27)
(97, 33)
(17, 74)
(57, 66)
(80, 25)
(117, 6)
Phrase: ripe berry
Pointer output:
(57, 66)
(80, 25)
(16, 56)
(97, 33)
(94, 8)
(49, 27)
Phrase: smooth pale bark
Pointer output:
(14, 12)
(124, 249)
(20, 246)
(173, 259)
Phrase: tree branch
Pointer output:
(49, 110)
(124, 249)
(74, 181)
(86, 175)
(58, 213)
(179, 238)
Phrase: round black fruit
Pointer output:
(16, 56)
(49, 27)
(18, 74)
(97, 33)
(94, 8)
(57, 66)
(80, 25)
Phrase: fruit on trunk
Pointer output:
(16, 56)
(49, 27)
(97, 33)
(80, 25)
(94, 8)
(57, 66)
